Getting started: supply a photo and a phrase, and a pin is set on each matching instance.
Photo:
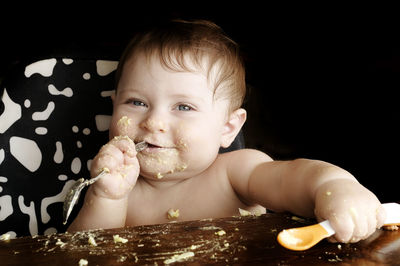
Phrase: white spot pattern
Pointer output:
(6, 208)
(58, 155)
(1, 155)
(105, 67)
(12, 112)
(67, 61)
(27, 103)
(86, 76)
(27, 152)
(54, 91)
(30, 211)
(103, 122)
(44, 115)
(42, 67)
(76, 165)
(107, 93)
(41, 130)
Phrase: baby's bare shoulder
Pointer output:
(243, 156)
(239, 165)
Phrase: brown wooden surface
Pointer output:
(248, 240)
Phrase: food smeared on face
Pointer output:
(159, 175)
(123, 125)
(161, 161)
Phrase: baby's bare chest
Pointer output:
(182, 203)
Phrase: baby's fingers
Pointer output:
(125, 145)
(104, 160)
(343, 227)
(380, 216)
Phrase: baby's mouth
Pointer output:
(156, 148)
(149, 145)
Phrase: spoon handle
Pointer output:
(100, 175)
(327, 226)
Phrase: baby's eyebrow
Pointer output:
(189, 97)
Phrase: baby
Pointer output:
(180, 88)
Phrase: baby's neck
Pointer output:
(160, 184)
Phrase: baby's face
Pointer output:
(175, 112)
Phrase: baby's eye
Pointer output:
(137, 103)
(184, 107)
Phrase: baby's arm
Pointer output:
(106, 200)
(308, 188)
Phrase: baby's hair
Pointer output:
(176, 41)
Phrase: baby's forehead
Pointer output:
(186, 62)
(180, 63)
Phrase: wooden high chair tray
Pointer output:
(228, 241)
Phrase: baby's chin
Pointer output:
(160, 169)
(160, 175)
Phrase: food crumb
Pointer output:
(173, 214)
(287, 237)
(298, 219)
(5, 237)
(60, 243)
(105, 169)
(193, 247)
(339, 246)
(336, 259)
(179, 258)
(91, 241)
(122, 258)
(118, 239)
(244, 212)
(159, 176)
(391, 227)
(124, 119)
(83, 262)
(220, 233)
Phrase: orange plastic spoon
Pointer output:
(303, 238)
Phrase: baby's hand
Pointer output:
(353, 211)
(119, 156)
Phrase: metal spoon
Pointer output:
(75, 191)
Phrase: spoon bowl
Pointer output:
(303, 238)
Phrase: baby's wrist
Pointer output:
(104, 193)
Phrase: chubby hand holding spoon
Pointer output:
(75, 191)
(302, 238)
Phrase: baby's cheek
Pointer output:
(185, 136)
(123, 125)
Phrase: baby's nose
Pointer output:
(154, 125)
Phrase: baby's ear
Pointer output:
(232, 127)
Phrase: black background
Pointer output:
(323, 79)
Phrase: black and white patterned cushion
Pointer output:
(55, 115)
